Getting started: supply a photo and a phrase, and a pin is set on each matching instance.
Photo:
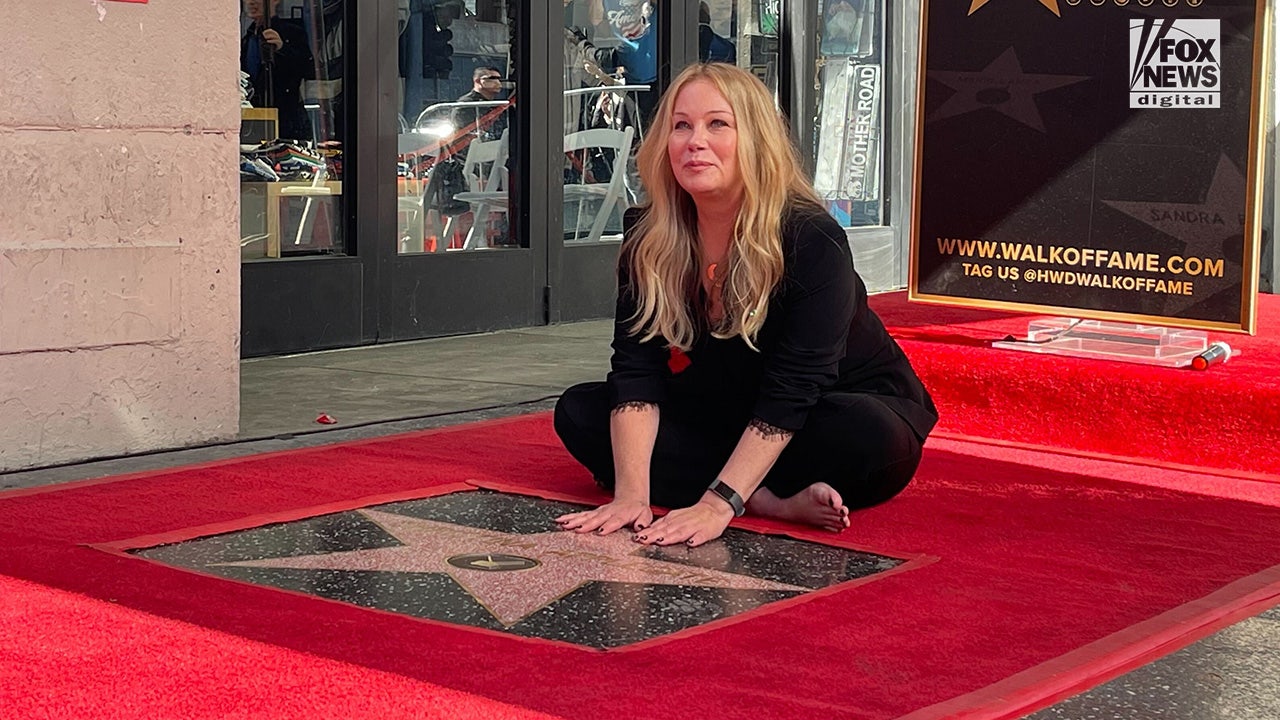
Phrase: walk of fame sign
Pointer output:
(497, 561)
(1094, 159)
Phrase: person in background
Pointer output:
(712, 47)
(634, 23)
(275, 54)
(482, 123)
(472, 124)
(748, 373)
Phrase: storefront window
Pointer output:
(457, 126)
(292, 128)
(849, 170)
(610, 80)
(743, 33)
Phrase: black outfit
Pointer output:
(827, 370)
(277, 79)
(472, 119)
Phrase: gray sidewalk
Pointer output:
(415, 379)
(381, 390)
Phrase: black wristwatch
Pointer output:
(729, 495)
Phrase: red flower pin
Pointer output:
(678, 361)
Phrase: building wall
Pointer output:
(119, 260)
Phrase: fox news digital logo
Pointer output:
(1175, 64)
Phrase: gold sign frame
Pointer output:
(1254, 204)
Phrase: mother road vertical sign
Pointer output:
(1094, 158)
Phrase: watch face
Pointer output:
(730, 496)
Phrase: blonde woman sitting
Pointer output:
(748, 373)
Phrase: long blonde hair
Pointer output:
(663, 258)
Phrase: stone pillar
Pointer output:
(119, 227)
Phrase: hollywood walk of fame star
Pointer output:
(1201, 225)
(562, 562)
(1001, 86)
(1051, 4)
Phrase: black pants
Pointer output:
(853, 442)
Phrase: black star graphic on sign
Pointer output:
(1051, 4)
(1201, 225)
(1000, 86)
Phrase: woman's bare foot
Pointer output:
(818, 505)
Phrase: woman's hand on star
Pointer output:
(692, 526)
(609, 518)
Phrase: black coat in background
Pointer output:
(286, 68)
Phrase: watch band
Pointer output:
(729, 495)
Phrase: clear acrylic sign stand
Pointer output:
(1105, 340)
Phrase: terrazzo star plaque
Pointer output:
(496, 561)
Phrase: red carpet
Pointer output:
(1049, 573)
(1227, 417)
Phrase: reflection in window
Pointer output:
(743, 33)
(849, 170)
(457, 129)
(292, 127)
(610, 77)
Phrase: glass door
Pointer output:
(612, 60)
(743, 33)
(849, 172)
(302, 276)
(860, 57)
(460, 255)
(610, 91)
(292, 129)
(456, 99)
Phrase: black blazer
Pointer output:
(820, 336)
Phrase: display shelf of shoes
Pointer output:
(258, 125)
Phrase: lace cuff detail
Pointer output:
(767, 431)
(633, 406)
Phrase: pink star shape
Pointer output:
(565, 562)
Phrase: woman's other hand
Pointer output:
(693, 525)
(610, 518)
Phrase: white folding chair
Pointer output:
(411, 147)
(488, 192)
(608, 192)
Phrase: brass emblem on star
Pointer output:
(495, 562)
